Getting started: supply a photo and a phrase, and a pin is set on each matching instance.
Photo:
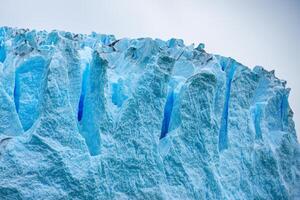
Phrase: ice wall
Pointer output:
(95, 117)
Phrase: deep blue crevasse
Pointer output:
(257, 119)
(85, 76)
(80, 107)
(223, 135)
(2, 53)
(17, 92)
(283, 110)
(167, 114)
(29, 86)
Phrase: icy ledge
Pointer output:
(93, 117)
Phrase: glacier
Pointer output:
(95, 117)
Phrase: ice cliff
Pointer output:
(94, 117)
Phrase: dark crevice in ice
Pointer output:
(223, 135)
(88, 106)
(28, 83)
(80, 107)
(2, 53)
(167, 114)
(83, 93)
(17, 92)
(257, 119)
(283, 110)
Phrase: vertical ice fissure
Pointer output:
(17, 92)
(27, 95)
(2, 53)
(283, 110)
(91, 107)
(257, 119)
(167, 114)
(223, 134)
(83, 92)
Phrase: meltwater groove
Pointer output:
(167, 114)
(223, 135)
(85, 77)
(17, 92)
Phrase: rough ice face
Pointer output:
(92, 117)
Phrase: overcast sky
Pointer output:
(256, 32)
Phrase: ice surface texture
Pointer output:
(92, 117)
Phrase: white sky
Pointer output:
(256, 32)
